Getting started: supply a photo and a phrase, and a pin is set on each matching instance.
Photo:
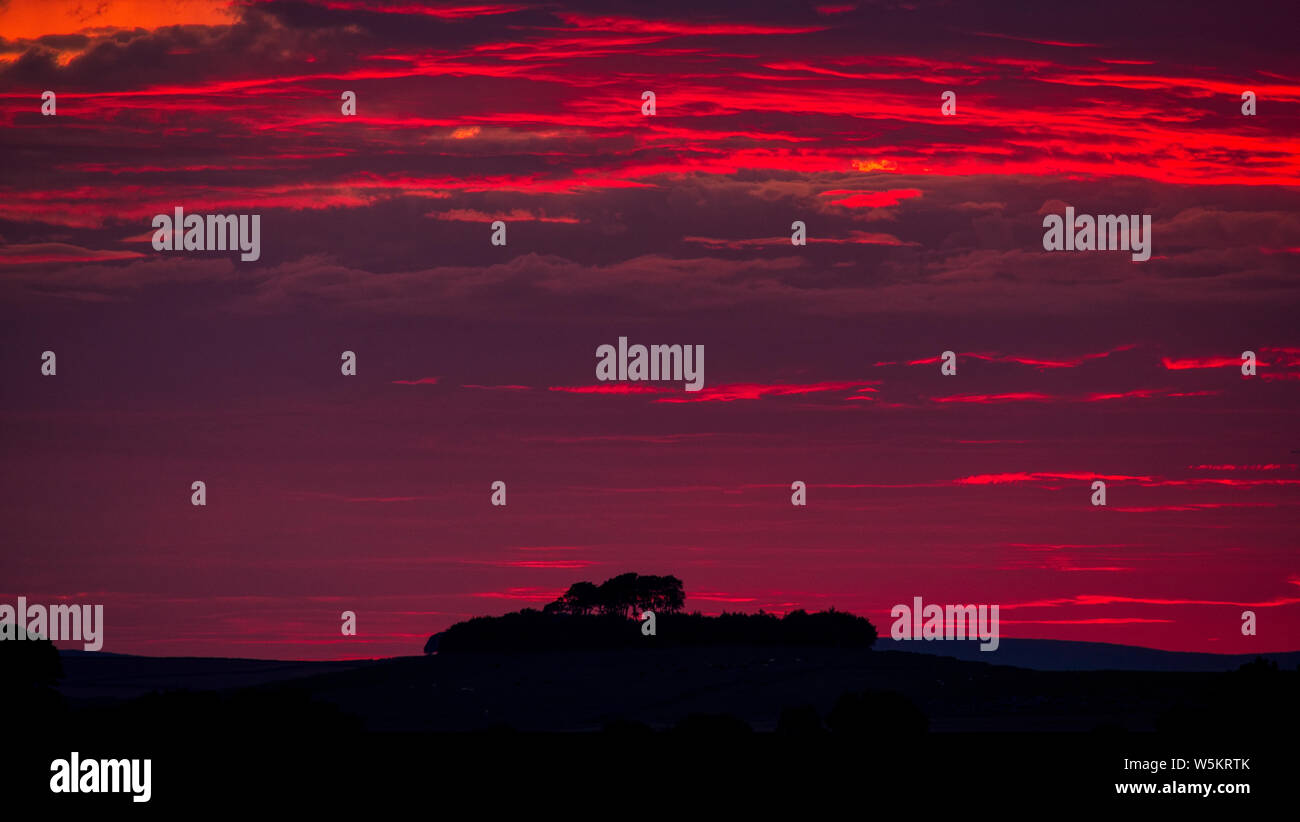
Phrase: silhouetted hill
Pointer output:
(444, 722)
(90, 675)
(30, 670)
(660, 688)
(1063, 655)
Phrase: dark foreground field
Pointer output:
(733, 724)
(585, 691)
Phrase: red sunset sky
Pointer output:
(476, 363)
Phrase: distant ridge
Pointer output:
(1035, 654)
(100, 675)
(73, 653)
(1066, 655)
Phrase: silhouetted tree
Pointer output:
(838, 629)
(1259, 666)
(647, 590)
(626, 595)
(669, 595)
(617, 595)
(580, 600)
(556, 629)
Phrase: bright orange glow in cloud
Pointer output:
(28, 19)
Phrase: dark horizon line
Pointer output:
(74, 652)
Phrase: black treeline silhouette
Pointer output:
(605, 616)
(626, 595)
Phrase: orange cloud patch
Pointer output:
(36, 19)
(874, 165)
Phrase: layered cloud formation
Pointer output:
(476, 361)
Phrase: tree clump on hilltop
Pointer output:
(590, 616)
